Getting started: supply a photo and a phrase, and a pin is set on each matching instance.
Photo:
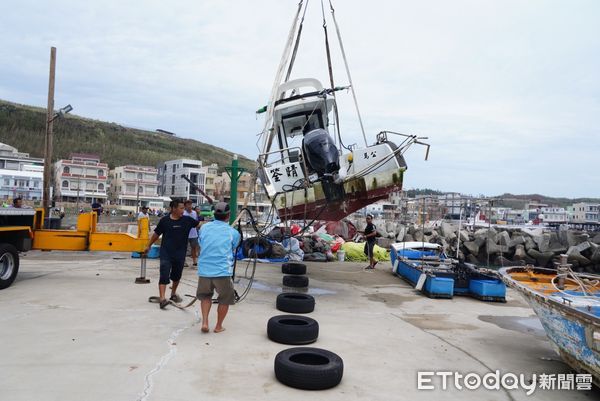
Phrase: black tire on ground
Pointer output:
(309, 368)
(292, 329)
(295, 303)
(263, 244)
(293, 268)
(9, 265)
(295, 281)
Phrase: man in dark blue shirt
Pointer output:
(370, 234)
(97, 207)
(174, 229)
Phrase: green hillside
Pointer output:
(23, 127)
(519, 201)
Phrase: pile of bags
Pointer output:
(320, 246)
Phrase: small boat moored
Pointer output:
(426, 267)
(568, 306)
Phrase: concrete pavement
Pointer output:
(74, 326)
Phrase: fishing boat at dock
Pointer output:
(568, 306)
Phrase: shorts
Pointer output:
(170, 268)
(223, 285)
(193, 243)
(368, 249)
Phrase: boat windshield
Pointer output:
(296, 125)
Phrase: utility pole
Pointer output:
(49, 134)
(137, 198)
(78, 185)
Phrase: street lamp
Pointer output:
(137, 198)
(61, 112)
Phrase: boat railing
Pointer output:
(285, 160)
(262, 158)
(406, 143)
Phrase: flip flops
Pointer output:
(176, 298)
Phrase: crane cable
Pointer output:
(339, 35)
(268, 139)
(331, 82)
(295, 51)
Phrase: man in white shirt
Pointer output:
(193, 236)
(143, 212)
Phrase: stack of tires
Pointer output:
(294, 275)
(304, 368)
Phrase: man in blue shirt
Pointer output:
(218, 241)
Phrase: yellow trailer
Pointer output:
(22, 230)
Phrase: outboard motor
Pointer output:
(323, 158)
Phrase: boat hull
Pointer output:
(570, 331)
(297, 206)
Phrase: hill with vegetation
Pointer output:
(510, 200)
(519, 201)
(413, 192)
(24, 128)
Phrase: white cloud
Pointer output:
(507, 91)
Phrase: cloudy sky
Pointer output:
(507, 91)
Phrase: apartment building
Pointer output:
(553, 215)
(210, 174)
(81, 178)
(584, 212)
(131, 187)
(20, 175)
(173, 185)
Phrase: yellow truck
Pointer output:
(22, 230)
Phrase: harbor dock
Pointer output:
(76, 327)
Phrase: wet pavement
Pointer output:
(76, 327)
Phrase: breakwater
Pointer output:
(501, 246)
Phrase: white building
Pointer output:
(376, 209)
(133, 186)
(21, 184)
(585, 213)
(553, 215)
(20, 175)
(451, 202)
(210, 177)
(82, 178)
(174, 186)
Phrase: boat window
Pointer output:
(301, 123)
